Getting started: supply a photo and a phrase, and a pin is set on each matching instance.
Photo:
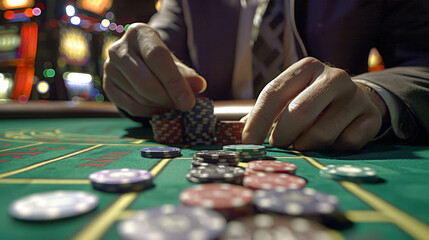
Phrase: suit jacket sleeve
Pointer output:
(404, 45)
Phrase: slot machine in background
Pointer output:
(18, 46)
(55, 49)
(70, 56)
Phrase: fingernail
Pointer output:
(292, 106)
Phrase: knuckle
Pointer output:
(156, 52)
(322, 138)
(135, 28)
(351, 143)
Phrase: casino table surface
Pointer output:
(46, 154)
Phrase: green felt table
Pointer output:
(38, 155)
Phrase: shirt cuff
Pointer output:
(401, 119)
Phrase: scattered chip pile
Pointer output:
(200, 123)
(229, 132)
(264, 199)
(168, 128)
(121, 180)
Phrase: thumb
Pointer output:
(197, 83)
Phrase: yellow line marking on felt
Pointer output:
(36, 165)
(412, 226)
(366, 216)
(96, 228)
(99, 226)
(29, 145)
(309, 159)
(44, 181)
(81, 143)
(139, 141)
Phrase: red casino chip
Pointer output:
(230, 200)
(167, 131)
(270, 166)
(229, 132)
(268, 181)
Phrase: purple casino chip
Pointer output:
(296, 202)
(120, 176)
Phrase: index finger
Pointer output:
(276, 96)
(159, 59)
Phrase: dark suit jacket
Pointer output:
(202, 33)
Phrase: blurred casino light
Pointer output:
(42, 87)
(6, 83)
(119, 28)
(37, 11)
(99, 98)
(105, 23)
(77, 78)
(13, 4)
(110, 16)
(70, 10)
(375, 61)
(28, 12)
(75, 20)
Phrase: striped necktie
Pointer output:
(268, 57)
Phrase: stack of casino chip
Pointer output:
(168, 128)
(270, 226)
(173, 222)
(216, 174)
(270, 166)
(121, 180)
(231, 201)
(349, 173)
(248, 152)
(269, 174)
(229, 132)
(200, 123)
(161, 152)
(210, 166)
(295, 202)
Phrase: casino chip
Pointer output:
(349, 173)
(272, 166)
(161, 152)
(216, 173)
(248, 152)
(229, 132)
(173, 222)
(275, 227)
(54, 205)
(230, 200)
(297, 202)
(200, 123)
(168, 128)
(269, 181)
(121, 180)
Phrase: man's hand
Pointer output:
(315, 107)
(143, 77)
